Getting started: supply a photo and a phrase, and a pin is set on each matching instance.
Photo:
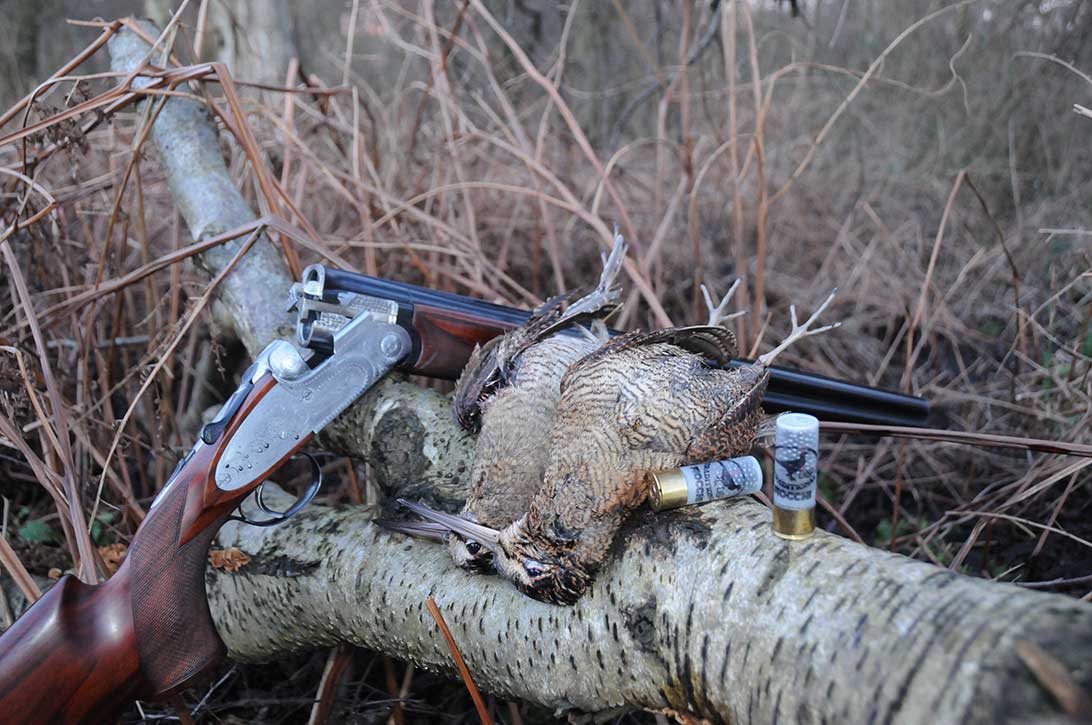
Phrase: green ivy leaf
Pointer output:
(37, 531)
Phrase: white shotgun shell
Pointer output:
(796, 457)
(704, 482)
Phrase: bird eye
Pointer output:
(533, 568)
(473, 547)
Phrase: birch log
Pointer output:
(702, 611)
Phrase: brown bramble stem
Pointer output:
(476, 696)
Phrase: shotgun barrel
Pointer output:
(826, 398)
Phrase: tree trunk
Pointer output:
(700, 611)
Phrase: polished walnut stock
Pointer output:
(82, 652)
(447, 338)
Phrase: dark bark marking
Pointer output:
(724, 662)
(811, 597)
(280, 566)
(942, 624)
(946, 578)
(859, 630)
(641, 625)
(779, 565)
(859, 664)
(851, 566)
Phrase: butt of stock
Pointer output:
(82, 652)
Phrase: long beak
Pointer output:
(484, 535)
(420, 529)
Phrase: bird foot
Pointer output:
(799, 331)
(716, 312)
(605, 293)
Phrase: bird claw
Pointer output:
(800, 331)
(716, 311)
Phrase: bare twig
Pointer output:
(476, 696)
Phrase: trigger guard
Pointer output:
(277, 517)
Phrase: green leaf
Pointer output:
(37, 531)
(99, 532)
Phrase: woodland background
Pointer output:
(925, 157)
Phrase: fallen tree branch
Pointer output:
(252, 298)
(698, 611)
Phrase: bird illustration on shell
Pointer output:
(642, 401)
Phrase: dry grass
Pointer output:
(929, 165)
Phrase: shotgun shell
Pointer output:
(796, 455)
(704, 482)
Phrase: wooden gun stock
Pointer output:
(82, 652)
(446, 340)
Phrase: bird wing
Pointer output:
(733, 432)
(490, 365)
(713, 343)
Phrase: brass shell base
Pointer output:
(794, 524)
(668, 490)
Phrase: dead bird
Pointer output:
(509, 393)
(641, 402)
(495, 364)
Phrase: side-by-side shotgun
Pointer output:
(82, 652)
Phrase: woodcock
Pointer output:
(509, 394)
(643, 401)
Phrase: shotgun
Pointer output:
(82, 652)
(789, 390)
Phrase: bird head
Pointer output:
(538, 569)
(484, 373)
(469, 554)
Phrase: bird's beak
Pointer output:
(484, 535)
(420, 529)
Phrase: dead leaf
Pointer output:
(228, 559)
(112, 556)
